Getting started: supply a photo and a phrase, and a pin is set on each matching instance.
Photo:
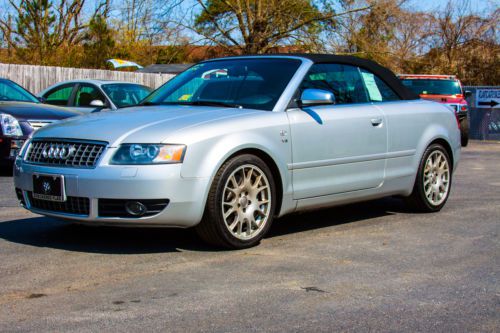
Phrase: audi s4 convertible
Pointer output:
(232, 143)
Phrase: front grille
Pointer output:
(72, 205)
(77, 154)
(116, 207)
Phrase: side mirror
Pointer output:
(97, 103)
(41, 99)
(312, 97)
(467, 93)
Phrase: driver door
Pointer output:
(337, 148)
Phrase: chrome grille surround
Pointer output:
(65, 153)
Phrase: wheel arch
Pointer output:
(272, 166)
(446, 145)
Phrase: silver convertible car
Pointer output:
(232, 143)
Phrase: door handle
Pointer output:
(376, 121)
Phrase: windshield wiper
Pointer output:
(211, 103)
(147, 103)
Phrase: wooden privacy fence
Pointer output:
(37, 78)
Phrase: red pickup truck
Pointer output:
(445, 89)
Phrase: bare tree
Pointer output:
(38, 27)
(146, 26)
(257, 26)
(457, 25)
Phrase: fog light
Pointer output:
(135, 208)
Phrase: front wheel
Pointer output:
(433, 183)
(240, 204)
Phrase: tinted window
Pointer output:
(10, 91)
(433, 86)
(59, 95)
(378, 90)
(250, 83)
(343, 80)
(125, 94)
(87, 94)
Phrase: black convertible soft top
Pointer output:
(385, 74)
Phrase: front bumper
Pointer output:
(186, 196)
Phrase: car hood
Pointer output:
(34, 111)
(151, 124)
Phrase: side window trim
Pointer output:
(71, 101)
(93, 86)
(60, 87)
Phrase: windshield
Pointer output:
(126, 94)
(10, 91)
(433, 87)
(249, 83)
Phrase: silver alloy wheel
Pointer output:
(246, 202)
(436, 178)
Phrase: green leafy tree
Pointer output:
(98, 42)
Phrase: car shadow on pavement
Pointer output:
(355, 215)
(52, 233)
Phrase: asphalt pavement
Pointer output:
(371, 266)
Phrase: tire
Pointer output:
(240, 205)
(464, 132)
(435, 180)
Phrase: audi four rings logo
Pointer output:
(58, 151)
(46, 187)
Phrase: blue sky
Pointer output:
(479, 5)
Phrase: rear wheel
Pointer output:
(464, 132)
(240, 205)
(433, 183)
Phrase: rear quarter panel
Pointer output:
(412, 127)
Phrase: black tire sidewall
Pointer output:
(420, 178)
(217, 217)
(464, 132)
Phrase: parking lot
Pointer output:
(364, 267)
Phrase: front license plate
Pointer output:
(49, 187)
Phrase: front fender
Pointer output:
(208, 152)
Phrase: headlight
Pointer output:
(10, 125)
(148, 154)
